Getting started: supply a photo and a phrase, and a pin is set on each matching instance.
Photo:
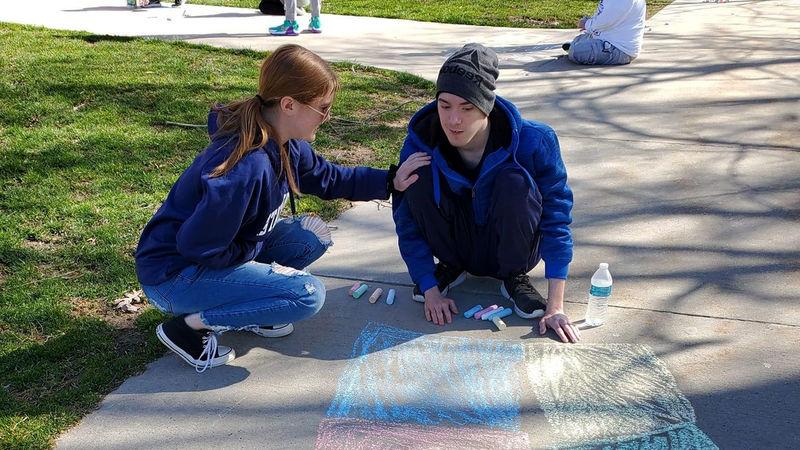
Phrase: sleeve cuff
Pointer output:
(556, 269)
(426, 282)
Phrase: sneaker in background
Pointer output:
(287, 28)
(314, 26)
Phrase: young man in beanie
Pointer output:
(493, 201)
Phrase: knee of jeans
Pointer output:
(316, 225)
(314, 296)
(581, 52)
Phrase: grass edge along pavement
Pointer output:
(514, 13)
(85, 160)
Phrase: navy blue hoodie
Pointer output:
(223, 221)
(533, 146)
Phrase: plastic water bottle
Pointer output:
(599, 294)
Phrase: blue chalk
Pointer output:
(472, 311)
(489, 315)
(390, 297)
(504, 313)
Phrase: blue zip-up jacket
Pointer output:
(533, 147)
(223, 221)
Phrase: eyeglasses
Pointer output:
(325, 115)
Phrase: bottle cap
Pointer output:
(604, 265)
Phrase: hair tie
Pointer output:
(261, 99)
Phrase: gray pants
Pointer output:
(290, 6)
(587, 50)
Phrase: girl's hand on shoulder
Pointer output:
(405, 176)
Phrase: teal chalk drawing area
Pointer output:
(684, 436)
(609, 393)
(400, 376)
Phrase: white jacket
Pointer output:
(620, 22)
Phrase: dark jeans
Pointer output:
(508, 244)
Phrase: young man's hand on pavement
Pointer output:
(560, 323)
(438, 308)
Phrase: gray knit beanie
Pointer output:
(470, 73)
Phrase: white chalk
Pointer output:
(498, 322)
(375, 295)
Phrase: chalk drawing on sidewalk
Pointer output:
(612, 396)
(683, 437)
(407, 390)
(345, 433)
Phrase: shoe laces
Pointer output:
(209, 349)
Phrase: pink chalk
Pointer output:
(480, 313)
(355, 286)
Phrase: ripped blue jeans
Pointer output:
(271, 290)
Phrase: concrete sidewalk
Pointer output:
(684, 167)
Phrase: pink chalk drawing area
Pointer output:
(404, 389)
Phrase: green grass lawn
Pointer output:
(85, 160)
(513, 13)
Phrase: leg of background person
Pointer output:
(290, 6)
(584, 49)
(611, 55)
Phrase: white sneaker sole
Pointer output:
(456, 282)
(285, 330)
(218, 361)
(534, 315)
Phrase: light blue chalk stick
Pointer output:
(390, 297)
(472, 311)
(360, 291)
(504, 313)
(488, 316)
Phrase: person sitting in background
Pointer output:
(613, 35)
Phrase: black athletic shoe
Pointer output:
(528, 303)
(192, 345)
(566, 46)
(178, 3)
(446, 277)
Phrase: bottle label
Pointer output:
(598, 291)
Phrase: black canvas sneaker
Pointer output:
(198, 348)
